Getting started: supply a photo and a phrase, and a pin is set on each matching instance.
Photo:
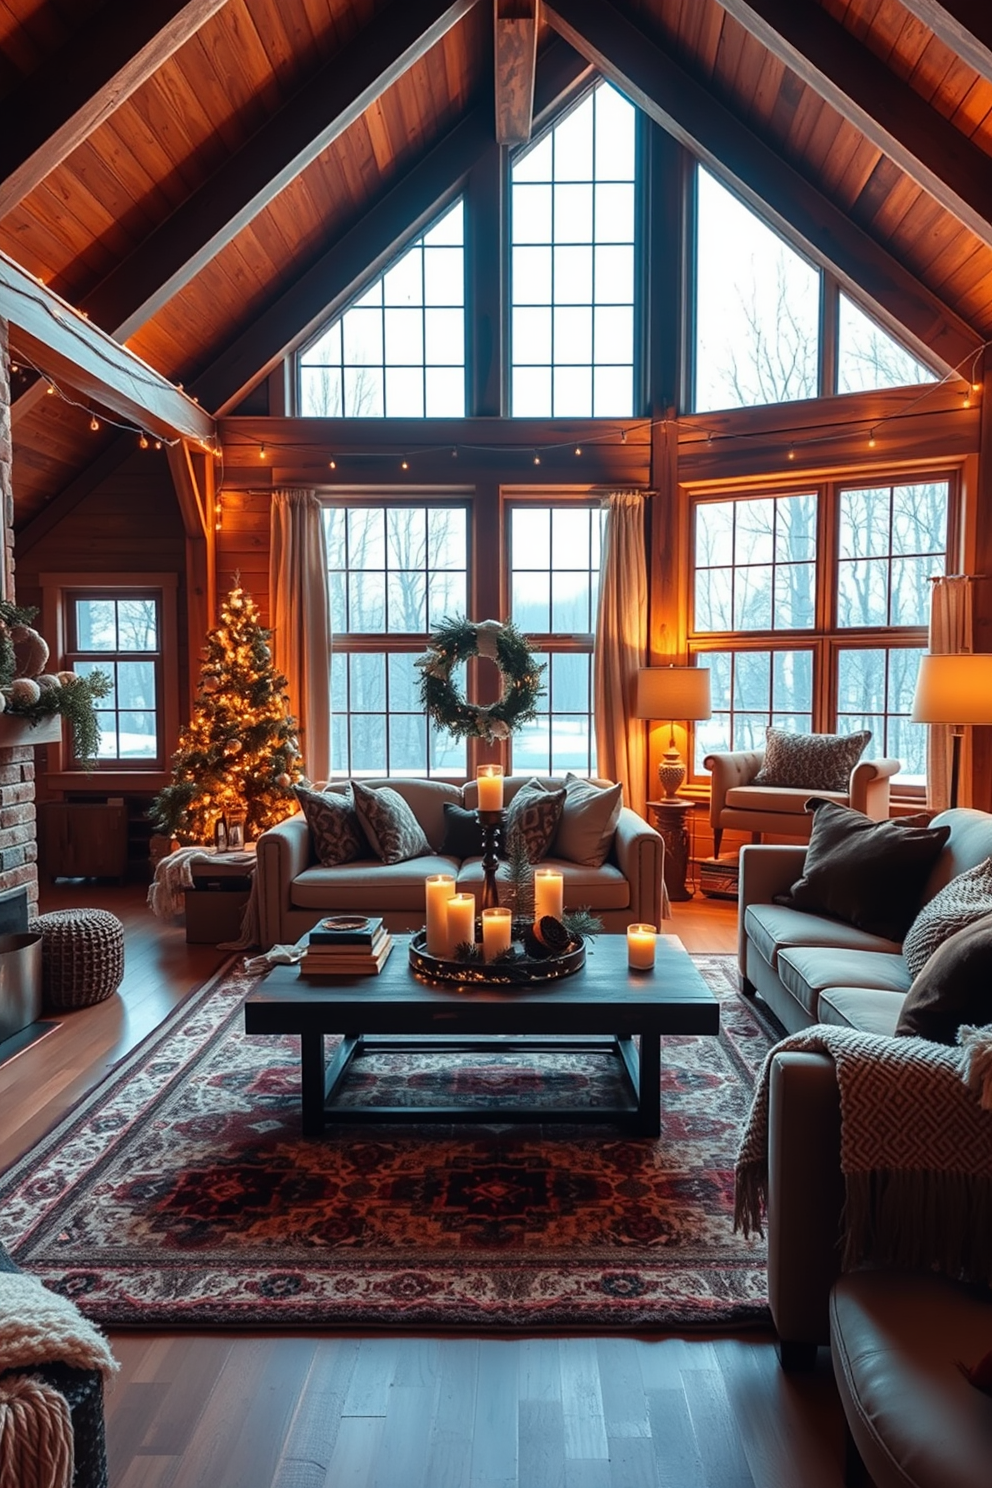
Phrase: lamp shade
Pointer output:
(955, 689)
(674, 692)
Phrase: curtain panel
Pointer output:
(950, 631)
(300, 620)
(621, 647)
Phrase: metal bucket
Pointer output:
(20, 982)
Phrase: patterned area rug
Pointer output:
(181, 1193)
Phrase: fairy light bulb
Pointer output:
(871, 439)
(792, 452)
(332, 464)
(261, 451)
(94, 423)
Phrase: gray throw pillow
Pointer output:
(962, 901)
(394, 833)
(954, 987)
(335, 832)
(534, 813)
(810, 761)
(588, 821)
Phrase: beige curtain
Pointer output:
(950, 631)
(300, 620)
(621, 647)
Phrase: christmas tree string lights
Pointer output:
(239, 755)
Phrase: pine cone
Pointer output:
(553, 935)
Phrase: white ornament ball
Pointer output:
(67, 678)
(25, 691)
(49, 682)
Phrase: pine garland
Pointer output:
(455, 641)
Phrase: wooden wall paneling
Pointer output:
(89, 479)
(649, 76)
(961, 25)
(63, 100)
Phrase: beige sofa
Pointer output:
(809, 969)
(294, 890)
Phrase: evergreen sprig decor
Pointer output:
(27, 691)
(239, 754)
(455, 641)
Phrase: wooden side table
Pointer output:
(671, 818)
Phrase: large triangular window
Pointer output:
(398, 351)
(869, 358)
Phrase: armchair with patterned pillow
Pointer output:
(766, 790)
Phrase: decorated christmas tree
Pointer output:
(239, 754)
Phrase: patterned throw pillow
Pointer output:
(810, 761)
(965, 899)
(335, 831)
(535, 813)
(394, 833)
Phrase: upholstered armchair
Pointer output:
(736, 802)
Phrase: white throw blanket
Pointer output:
(174, 875)
(916, 1151)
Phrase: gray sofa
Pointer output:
(294, 890)
(810, 969)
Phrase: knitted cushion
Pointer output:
(82, 956)
(810, 761)
(965, 899)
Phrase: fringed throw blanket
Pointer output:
(36, 1444)
(916, 1153)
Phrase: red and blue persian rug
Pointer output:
(180, 1191)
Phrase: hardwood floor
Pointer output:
(263, 1410)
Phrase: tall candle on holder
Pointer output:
(549, 894)
(497, 928)
(461, 920)
(440, 887)
(640, 946)
(489, 781)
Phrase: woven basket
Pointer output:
(82, 957)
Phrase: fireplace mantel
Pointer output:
(15, 730)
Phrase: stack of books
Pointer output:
(346, 945)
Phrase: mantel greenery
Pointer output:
(66, 694)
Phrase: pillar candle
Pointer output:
(549, 894)
(461, 920)
(640, 946)
(489, 780)
(497, 932)
(440, 887)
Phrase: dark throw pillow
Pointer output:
(394, 833)
(954, 987)
(810, 761)
(535, 812)
(462, 833)
(869, 873)
(335, 831)
(959, 903)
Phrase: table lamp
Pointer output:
(954, 689)
(675, 693)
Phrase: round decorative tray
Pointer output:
(522, 971)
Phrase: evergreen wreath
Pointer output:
(455, 641)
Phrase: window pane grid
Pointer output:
(120, 636)
(750, 690)
(892, 539)
(756, 564)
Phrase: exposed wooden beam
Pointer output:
(516, 63)
(195, 494)
(52, 336)
(888, 112)
(371, 242)
(963, 25)
(288, 142)
(649, 76)
(53, 109)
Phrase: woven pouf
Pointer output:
(82, 957)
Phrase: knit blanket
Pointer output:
(36, 1442)
(916, 1152)
(174, 875)
(37, 1326)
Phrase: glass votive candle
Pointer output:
(489, 782)
(497, 932)
(640, 946)
(461, 921)
(549, 894)
(439, 888)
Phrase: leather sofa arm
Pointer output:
(282, 853)
(640, 855)
(728, 769)
(764, 870)
(869, 786)
(805, 1200)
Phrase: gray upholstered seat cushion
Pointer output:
(778, 798)
(869, 1009)
(387, 886)
(593, 888)
(806, 971)
(772, 927)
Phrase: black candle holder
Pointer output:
(491, 824)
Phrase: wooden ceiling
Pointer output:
(176, 169)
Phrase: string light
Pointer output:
(792, 452)
(332, 464)
(623, 436)
(404, 463)
(261, 451)
(967, 397)
(871, 438)
(143, 442)
(94, 423)
(537, 458)
(578, 449)
(50, 388)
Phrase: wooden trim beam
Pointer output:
(515, 23)
(213, 216)
(52, 336)
(649, 76)
(53, 110)
(920, 141)
(963, 25)
(370, 243)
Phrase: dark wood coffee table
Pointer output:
(601, 1007)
